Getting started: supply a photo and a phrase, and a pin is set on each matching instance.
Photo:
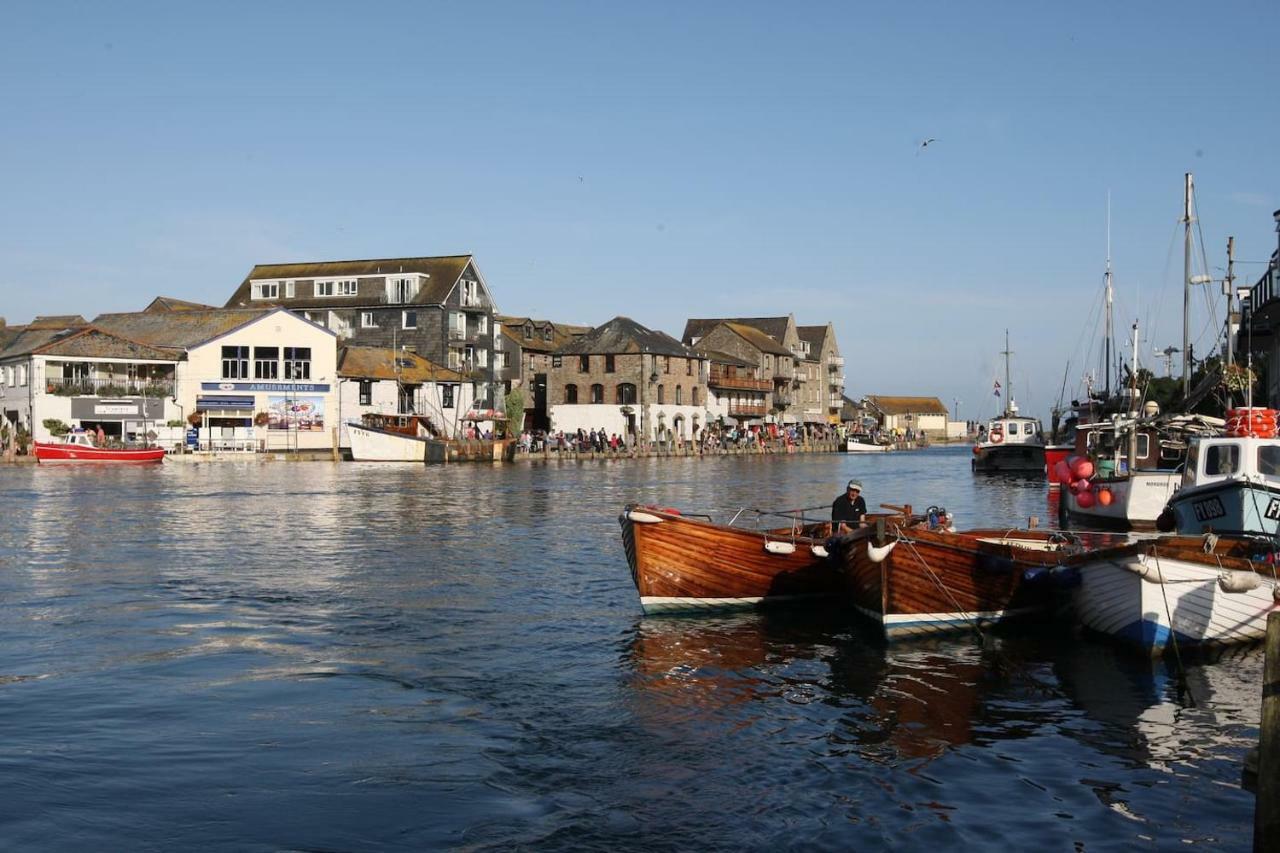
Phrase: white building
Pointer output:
(379, 380)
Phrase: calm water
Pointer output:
(353, 657)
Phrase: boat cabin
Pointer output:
(1213, 460)
(79, 438)
(1014, 430)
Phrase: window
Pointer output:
(1269, 460)
(409, 320)
(455, 360)
(457, 325)
(235, 362)
(297, 363)
(666, 364)
(500, 361)
(528, 331)
(626, 394)
(266, 362)
(367, 321)
(402, 288)
(571, 394)
(597, 394)
(446, 396)
(1011, 428)
(584, 364)
(662, 395)
(546, 333)
(266, 290)
(482, 358)
(1222, 459)
(482, 325)
(608, 364)
(470, 294)
(1144, 445)
(688, 367)
(679, 396)
(288, 290)
(366, 392)
(693, 397)
(336, 287)
(556, 361)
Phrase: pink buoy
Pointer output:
(1083, 469)
(1062, 472)
(1085, 499)
(1078, 486)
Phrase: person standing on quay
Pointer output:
(848, 510)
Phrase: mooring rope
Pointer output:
(938, 581)
(1173, 635)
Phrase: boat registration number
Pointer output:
(1273, 510)
(1208, 509)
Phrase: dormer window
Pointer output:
(528, 331)
(546, 333)
(336, 287)
(402, 288)
(266, 290)
(470, 293)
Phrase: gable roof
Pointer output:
(58, 321)
(168, 303)
(356, 362)
(758, 339)
(815, 337)
(179, 328)
(907, 405)
(561, 333)
(774, 327)
(622, 334)
(442, 274)
(28, 339)
(92, 342)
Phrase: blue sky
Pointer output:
(658, 160)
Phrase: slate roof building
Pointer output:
(631, 380)
(773, 365)
(523, 359)
(438, 307)
(822, 392)
(380, 380)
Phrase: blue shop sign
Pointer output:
(267, 387)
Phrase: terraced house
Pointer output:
(438, 307)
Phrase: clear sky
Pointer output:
(660, 161)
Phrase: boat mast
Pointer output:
(1008, 385)
(1186, 288)
(1110, 298)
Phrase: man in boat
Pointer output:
(848, 510)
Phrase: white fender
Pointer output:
(643, 517)
(1236, 581)
(819, 551)
(877, 555)
(780, 547)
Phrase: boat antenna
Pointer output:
(1008, 385)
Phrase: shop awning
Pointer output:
(224, 404)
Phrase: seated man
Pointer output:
(848, 510)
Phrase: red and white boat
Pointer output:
(78, 447)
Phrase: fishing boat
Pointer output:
(1186, 591)
(389, 438)
(862, 443)
(685, 562)
(930, 579)
(1010, 442)
(77, 446)
(1231, 484)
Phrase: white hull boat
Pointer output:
(1176, 592)
(853, 445)
(377, 445)
(1136, 500)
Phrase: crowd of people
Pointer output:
(714, 437)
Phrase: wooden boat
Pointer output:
(413, 438)
(1185, 590)
(687, 563)
(926, 581)
(76, 446)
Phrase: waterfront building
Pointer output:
(737, 394)
(522, 359)
(920, 415)
(255, 379)
(380, 380)
(64, 370)
(1260, 328)
(628, 380)
(438, 307)
(822, 392)
(773, 363)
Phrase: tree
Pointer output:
(513, 404)
(56, 427)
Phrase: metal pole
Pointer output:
(1186, 289)
(1228, 290)
(1266, 813)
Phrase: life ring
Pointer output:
(996, 436)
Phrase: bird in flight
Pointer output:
(925, 143)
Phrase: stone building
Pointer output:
(439, 307)
(522, 359)
(822, 391)
(630, 380)
(772, 364)
(736, 393)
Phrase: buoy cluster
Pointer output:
(1255, 422)
(1075, 472)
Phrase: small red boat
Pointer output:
(78, 447)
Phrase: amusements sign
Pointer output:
(303, 414)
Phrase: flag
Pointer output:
(997, 391)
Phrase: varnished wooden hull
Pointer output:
(933, 581)
(687, 564)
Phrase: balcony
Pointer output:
(835, 401)
(721, 379)
(747, 410)
(782, 400)
(835, 363)
(63, 386)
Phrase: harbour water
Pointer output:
(355, 657)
